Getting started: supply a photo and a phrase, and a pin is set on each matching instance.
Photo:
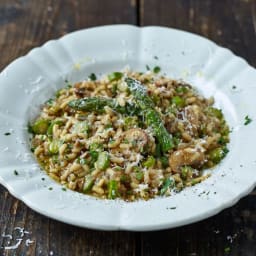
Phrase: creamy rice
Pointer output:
(111, 151)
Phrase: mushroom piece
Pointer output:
(188, 156)
(137, 137)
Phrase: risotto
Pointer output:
(129, 135)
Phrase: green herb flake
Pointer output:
(181, 89)
(7, 134)
(227, 249)
(139, 175)
(167, 183)
(50, 188)
(156, 57)
(68, 84)
(49, 102)
(164, 161)
(147, 67)
(171, 208)
(63, 189)
(178, 101)
(115, 76)
(156, 69)
(247, 120)
(92, 77)
(43, 178)
(108, 126)
(15, 172)
(233, 87)
(150, 162)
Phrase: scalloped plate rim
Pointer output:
(211, 212)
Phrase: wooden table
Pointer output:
(25, 24)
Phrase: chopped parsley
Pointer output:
(171, 208)
(64, 189)
(68, 84)
(139, 175)
(43, 178)
(50, 188)
(92, 77)
(49, 102)
(155, 57)
(15, 173)
(247, 120)
(156, 69)
(147, 67)
(233, 87)
(7, 134)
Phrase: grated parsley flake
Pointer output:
(247, 120)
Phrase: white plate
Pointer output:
(29, 81)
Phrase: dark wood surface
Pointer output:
(25, 24)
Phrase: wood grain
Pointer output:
(230, 23)
(25, 24)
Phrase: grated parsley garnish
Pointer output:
(247, 120)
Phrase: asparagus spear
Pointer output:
(152, 117)
(97, 105)
(140, 94)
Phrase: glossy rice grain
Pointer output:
(111, 151)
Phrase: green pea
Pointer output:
(40, 126)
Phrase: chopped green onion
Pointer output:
(150, 162)
(54, 147)
(94, 156)
(88, 184)
(112, 189)
(103, 161)
(178, 101)
(167, 183)
(217, 154)
(115, 76)
(40, 126)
